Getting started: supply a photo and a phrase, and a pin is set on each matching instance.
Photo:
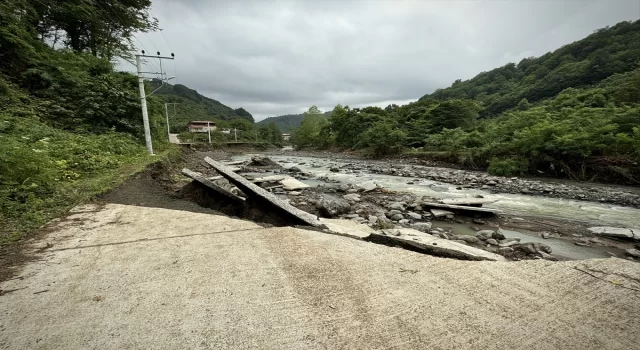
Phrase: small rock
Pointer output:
(479, 222)
(373, 219)
(396, 205)
(404, 222)
(352, 197)
(295, 193)
(582, 244)
(332, 206)
(545, 235)
(505, 250)
(414, 216)
(422, 226)
(491, 241)
(334, 170)
(492, 183)
(443, 235)
(498, 235)
(397, 217)
(470, 239)
(484, 234)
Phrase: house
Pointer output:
(201, 126)
(286, 137)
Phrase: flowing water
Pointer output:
(592, 213)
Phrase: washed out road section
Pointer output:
(123, 276)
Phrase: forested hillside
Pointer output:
(193, 106)
(70, 126)
(287, 123)
(574, 113)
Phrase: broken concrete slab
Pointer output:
(261, 195)
(616, 232)
(468, 201)
(220, 190)
(348, 228)
(425, 243)
(461, 207)
(440, 213)
(291, 184)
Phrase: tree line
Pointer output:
(571, 113)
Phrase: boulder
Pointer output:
(334, 169)
(484, 234)
(440, 213)
(616, 232)
(332, 206)
(397, 217)
(499, 235)
(262, 161)
(532, 248)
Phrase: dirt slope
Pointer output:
(124, 276)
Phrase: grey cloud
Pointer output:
(280, 57)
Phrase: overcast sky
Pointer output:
(280, 57)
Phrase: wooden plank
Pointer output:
(256, 192)
(198, 177)
(462, 207)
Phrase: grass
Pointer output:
(69, 194)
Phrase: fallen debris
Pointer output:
(440, 213)
(468, 201)
(332, 206)
(426, 243)
(220, 190)
(615, 232)
(347, 228)
(257, 193)
(461, 207)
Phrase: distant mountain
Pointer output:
(287, 123)
(193, 106)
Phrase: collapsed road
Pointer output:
(146, 267)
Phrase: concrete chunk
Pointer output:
(439, 213)
(616, 232)
(434, 246)
(272, 178)
(291, 184)
(255, 192)
(220, 190)
(347, 228)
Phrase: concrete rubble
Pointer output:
(207, 182)
(616, 232)
(259, 194)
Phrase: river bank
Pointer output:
(416, 169)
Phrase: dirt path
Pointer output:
(125, 276)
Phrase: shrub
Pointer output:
(508, 166)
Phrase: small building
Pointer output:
(201, 126)
(286, 137)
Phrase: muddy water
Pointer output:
(597, 214)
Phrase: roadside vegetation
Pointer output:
(70, 126)
(572, 113)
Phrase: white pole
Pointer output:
(143, 103)
(209, 131)
(166, 112)
(235, 132)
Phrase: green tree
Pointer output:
(383, 138)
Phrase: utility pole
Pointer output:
(143, 96)
(209, 131)
(166, 113)
(235, 132)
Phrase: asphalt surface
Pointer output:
(125, 276)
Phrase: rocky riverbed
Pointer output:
(381, 208)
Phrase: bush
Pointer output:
(508, 167)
